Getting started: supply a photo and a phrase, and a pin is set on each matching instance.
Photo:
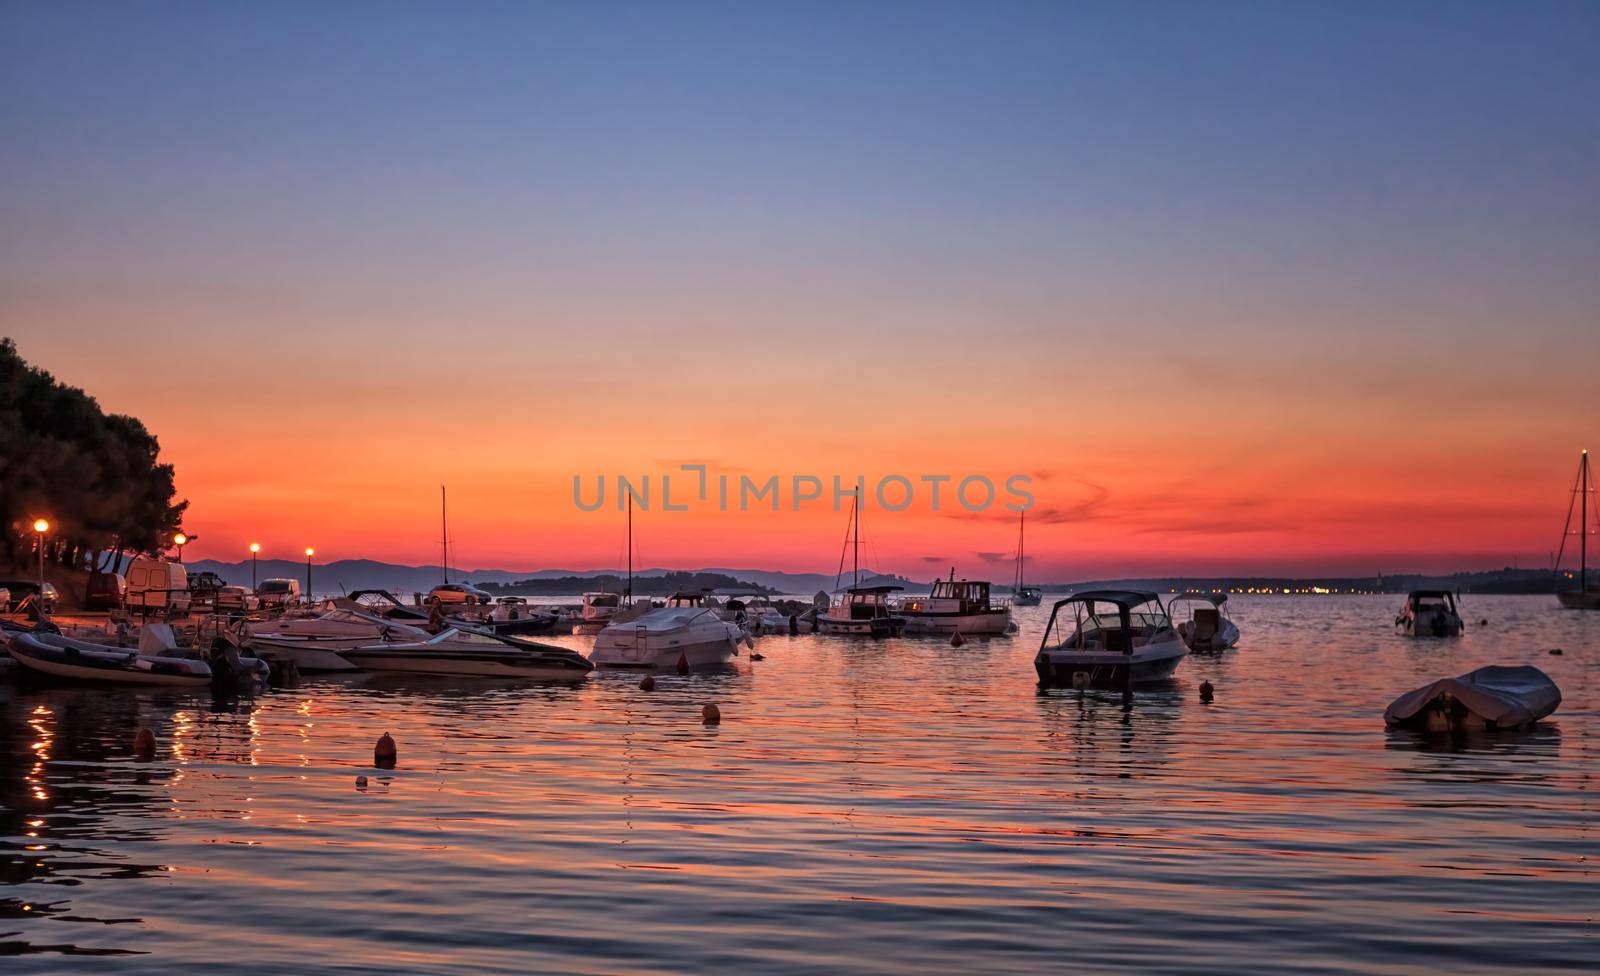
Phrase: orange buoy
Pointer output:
(683, 664)
(711, 715)
(647, 683)
(384, 753)
(956, 640)
(1206, 691)
(144, 745)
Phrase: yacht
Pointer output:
(862, 611)
(471, 654)
(1584, 597)
(684, 633)
(1023, 595)
(1430, 613)
(1109, 638)
(955, 606)
(1203, 621)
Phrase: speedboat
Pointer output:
(1109, 638)
(756, 614)
(600, 606)
(77, 660)
(1203, 621)
(1430, 613)
(683, 633)
(955, 606)
(469, 654)
(515, 615)
(862, 611)
(1489, 699)
(316, 644)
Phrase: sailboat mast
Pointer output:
(855, 516)
(1022, 547)
(628, 590)
(1583, 529)
(444, 535)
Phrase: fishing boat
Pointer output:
(1490, 699)
(861, 611)
(1023, 595)
(1109, 638)
(955, 606)
(315, 644)
(77, 660)
(1430, 613)
(684, 633)
(1584, 597)
(1203, 621)
(468, 654)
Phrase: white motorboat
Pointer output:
(1203, 621)
(1023, 595)
(316, 644)
(468, 654)
(684, 633)
(600, 606)
(1430, 613)
(756, 614)
(1109, 638)
(862, 611)
(955, 606)
(76, 660)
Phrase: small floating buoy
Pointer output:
(1207, 693)
(144, 745)
(956, 640)
(1556, 650)
(647, 683)
(711, 715)
(683, 664)
(1483, 623)
(384, 753)
(361, 782)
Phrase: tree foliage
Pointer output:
(96, 476)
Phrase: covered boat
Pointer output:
(315, 644)
(1203, 621)
(77, 660)
(1430, 613)
(1109, 638)
(468, 654)
(683, 631)
(1489, 699)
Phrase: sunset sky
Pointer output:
(1243, 287)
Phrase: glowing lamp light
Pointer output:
(310, 552)
(180, 539)
(255, 547)
(41, 525)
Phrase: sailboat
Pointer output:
(863, 610)
(600, 607)
(1023, 595)
(1583, 598)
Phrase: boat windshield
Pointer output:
(1099, 625)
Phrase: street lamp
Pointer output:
(41, 526)
(309, 553)
(180, 540)
(255, 550)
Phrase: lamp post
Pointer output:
(41, 526)
(309, 553)
(180, 540)
(255, 550)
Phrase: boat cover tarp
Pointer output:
(1505, 696)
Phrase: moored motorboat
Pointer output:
(316, 644)
(1489, 699)
(955, 606)
(1430, 613)
(1203, 621)
(682, 633)
(1109, 638)
(862, 611)
(76, 660)
(468, 654)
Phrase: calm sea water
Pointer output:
(901, 806)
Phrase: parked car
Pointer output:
(237, 598)
(106, 591)
(458, 593)
(157, 584)
(278, 592)
(21, 590)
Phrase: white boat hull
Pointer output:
(701, 654)
(1222, 640)
(310, 656)
(966, 624)
(1099, 668)
(455, 666)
